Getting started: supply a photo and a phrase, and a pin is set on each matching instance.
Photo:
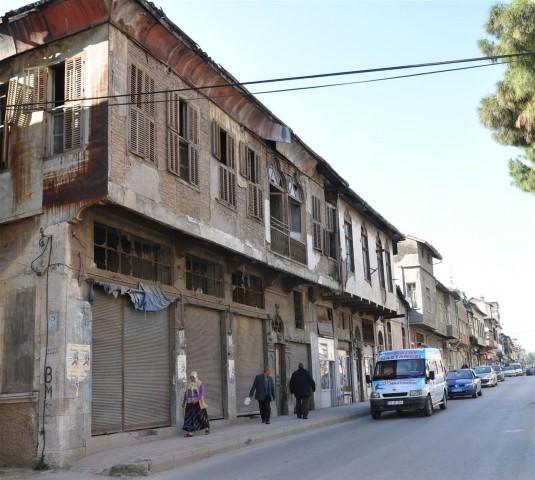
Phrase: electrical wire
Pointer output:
(309, 87)
(493, 59)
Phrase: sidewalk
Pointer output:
(159, 455)
(151, 456)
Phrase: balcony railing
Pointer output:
(283, 244)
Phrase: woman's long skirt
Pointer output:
(195, 418)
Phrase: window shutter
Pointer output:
(72, 127)
(193, 124)
(230, 151)
(251, 194)
(260, 200)
(316, 235)
(133, 84)
(14, 99)
(172, 151)
(148, 97)
(173, 117)
(326, 242)
(134, 129)
(216, 145)
(244, 161)
(150, 138)
(35, 82)
(194, 165)
(232, 186)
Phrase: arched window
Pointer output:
(380, 264)
(380, 341)
(365, 253)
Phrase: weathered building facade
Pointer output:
(151, 226)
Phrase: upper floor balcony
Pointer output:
(452, 331)
(283, 243)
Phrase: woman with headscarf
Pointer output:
(195, 415)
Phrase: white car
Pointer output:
(487, 375)
(509, 371)
(518, 369)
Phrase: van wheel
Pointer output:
(444, 403)
(475, 395)
(428, 409)
(376, 415)
(480, 392)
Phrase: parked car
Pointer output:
(463, 382)
(509, 371)
(519, 371)
(499, 372)
(530, 371)
(487, 375)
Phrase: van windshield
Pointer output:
(393, 369)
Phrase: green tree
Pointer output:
(510, 111)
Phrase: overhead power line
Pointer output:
(493, 59)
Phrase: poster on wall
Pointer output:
(78, 361)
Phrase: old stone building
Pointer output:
(152, 224)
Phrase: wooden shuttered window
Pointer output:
(183, 123)
(330, 238)
(250, 169)
(316, 223)
(223, 148)
(255, 201)
(72, 126)
(142, 111)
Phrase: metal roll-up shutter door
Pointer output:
(249, 358)
(299, 354)
(203, 340)
(107, 365)
(146, 368)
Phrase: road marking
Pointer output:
(514, 430)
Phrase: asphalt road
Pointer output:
(491, 438)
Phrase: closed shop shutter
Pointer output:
(107, 366)
(146, 368)
(299, 354)
(203, 339)
(131, 367)
(249, 358)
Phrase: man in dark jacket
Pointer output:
(302, 385)
(264, 391)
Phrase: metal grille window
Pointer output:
(316, 223)
(380, 262)
(298, 309)
(142, 114)
(367, 331)
(350, 256)
(365, 253)
(121, 252)
(223, 150)
(247, 289)
(330, 233)
(204, 277)
(182, 138)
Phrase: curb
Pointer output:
(168, 461)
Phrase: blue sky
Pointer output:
(413, 148)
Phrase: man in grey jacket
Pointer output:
(264, 391)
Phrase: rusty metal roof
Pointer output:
(45, 21)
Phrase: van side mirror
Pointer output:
(368, 379)
(431, 375)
